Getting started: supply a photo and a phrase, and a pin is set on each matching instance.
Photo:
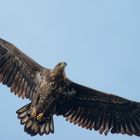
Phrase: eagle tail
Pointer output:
(32, 126)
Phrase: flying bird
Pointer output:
(52, 93)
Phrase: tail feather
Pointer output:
(49, 127)
(32, 126)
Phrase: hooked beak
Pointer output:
(63, 64)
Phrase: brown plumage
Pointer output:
(52, 93)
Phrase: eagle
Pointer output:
(52, 93)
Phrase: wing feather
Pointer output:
(18, 71)
(96, 110)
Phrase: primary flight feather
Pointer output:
(52, 93)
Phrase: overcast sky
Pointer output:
(99, 39)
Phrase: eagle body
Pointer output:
(51, 93)
(51, 86)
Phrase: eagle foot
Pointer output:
(40, 117)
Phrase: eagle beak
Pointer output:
(63, 64)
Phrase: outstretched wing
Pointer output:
(18, 71)
(96, 110)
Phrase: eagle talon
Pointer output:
(40, 117)
(33, 112)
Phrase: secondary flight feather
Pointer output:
(52, 93)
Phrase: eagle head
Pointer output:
(59, 70)
(61, 65)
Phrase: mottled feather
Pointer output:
(96, 110)
(17, 70)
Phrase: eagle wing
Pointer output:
(92, 109)
(18, 71)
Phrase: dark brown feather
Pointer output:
(17, 70)
(90, 108)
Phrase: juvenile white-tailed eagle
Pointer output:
(52, 93)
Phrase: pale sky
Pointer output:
(99, 40)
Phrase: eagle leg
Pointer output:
(33, 112)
